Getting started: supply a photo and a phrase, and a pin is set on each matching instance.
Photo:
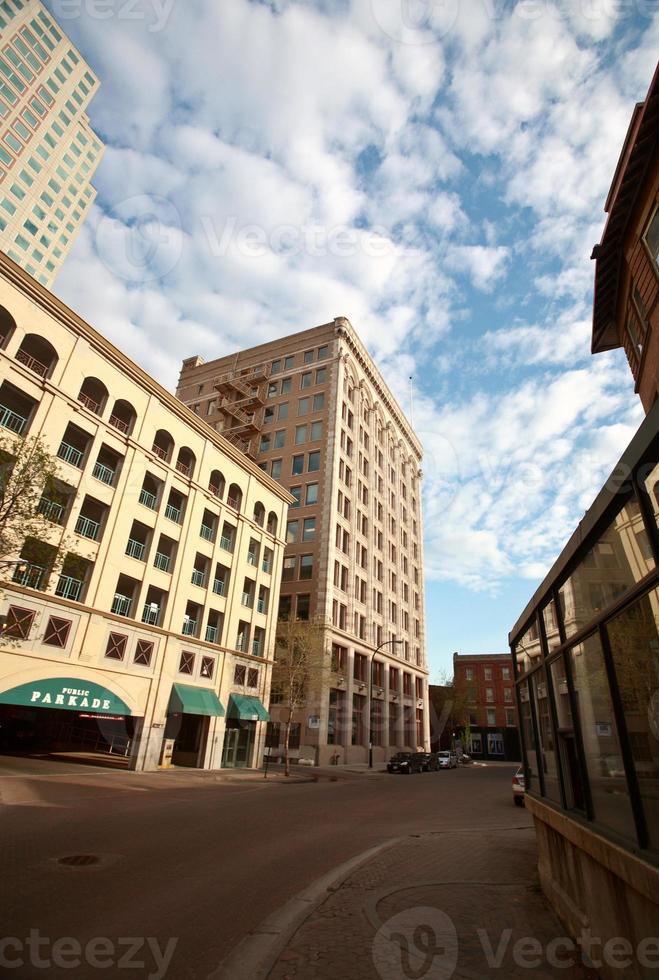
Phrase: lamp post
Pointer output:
(370, 697)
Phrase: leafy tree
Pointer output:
(301, 661)
(28, 473)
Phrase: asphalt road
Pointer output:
(198, 859)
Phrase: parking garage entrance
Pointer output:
(66, 716)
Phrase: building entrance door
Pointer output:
(238, 744)
(190, 743)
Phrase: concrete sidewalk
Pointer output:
(463, 904)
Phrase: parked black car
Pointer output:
(406, 762)
(425, 760)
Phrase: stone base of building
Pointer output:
(599, 890)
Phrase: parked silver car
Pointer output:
(447, 759)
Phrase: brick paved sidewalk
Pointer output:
(432, 907)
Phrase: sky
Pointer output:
(436, 171)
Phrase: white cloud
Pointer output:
(445, 212)
(485, 265)
(594, 19)
(506, 475)
(492, 136)
(564, 342)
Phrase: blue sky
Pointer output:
(434, 171)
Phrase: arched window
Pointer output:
(216, 484)
(272, 523)
(37, 354)
(259, 513)
(235, 496)
(123, 416)
(93, 395)
(7, 327)
(163, 445)
(186, 461)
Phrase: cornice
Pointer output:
(346, 331)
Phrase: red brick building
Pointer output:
(625, 310)
(485, 698)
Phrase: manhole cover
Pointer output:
(78, 860)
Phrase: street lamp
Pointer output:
(370, 698)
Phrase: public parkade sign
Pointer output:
(67, 693)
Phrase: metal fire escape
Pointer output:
(241, 405)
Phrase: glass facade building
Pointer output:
(586, 658)
(48, 150)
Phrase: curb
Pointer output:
(196, 776)
(257, 952)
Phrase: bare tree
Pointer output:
(450, 700)
(301, 661)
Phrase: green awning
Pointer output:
(68, 693)
(187, 700)
(246, 708)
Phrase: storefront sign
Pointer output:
(67, 693)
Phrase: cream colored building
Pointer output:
(48, 151)
(315, 413)
(164, 607)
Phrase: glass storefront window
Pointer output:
(606, 773)
(545, 733)
(652, 487)
(551, 625)
(565, 735)
(634, 640)
(528, 651)
(620, 558)
(561, 695)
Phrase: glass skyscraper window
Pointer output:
(47, 113)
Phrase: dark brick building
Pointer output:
(625, 310)
(486, 712)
